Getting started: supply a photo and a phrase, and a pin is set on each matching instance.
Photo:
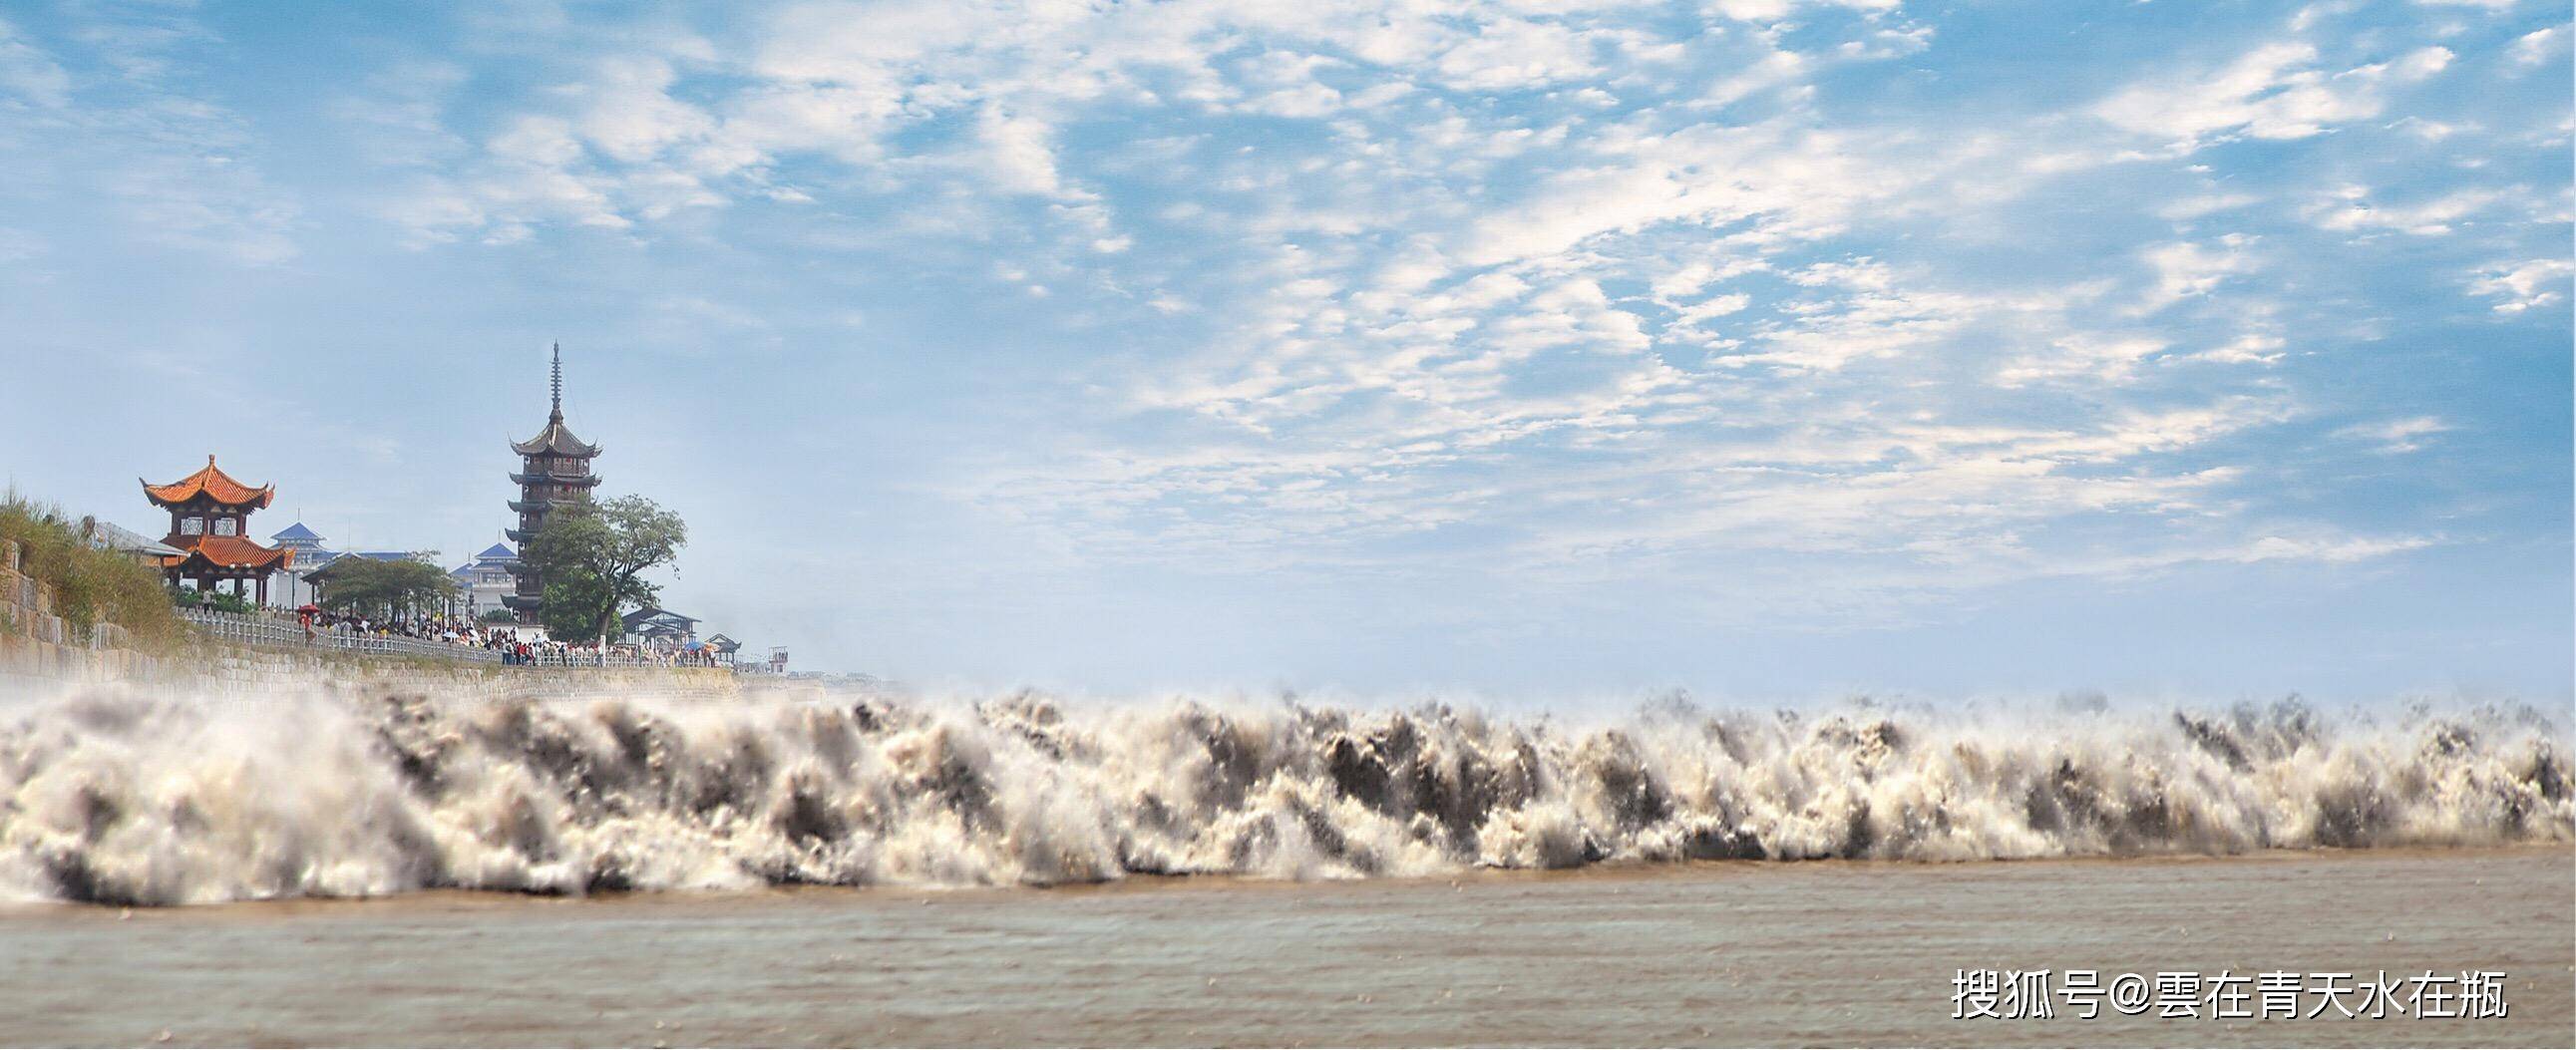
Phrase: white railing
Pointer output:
(589, 659)
(256, 629)
(279, 631)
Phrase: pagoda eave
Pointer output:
(209, 486)
(571, 480)
(542, 506)
(200, 565)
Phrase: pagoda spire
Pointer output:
(556, 416)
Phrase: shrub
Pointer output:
(211, 601)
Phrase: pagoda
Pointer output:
(209, 512)
(554, 472)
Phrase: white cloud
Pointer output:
(628, 114)
(2205, 204)
(2248, 349)
(1018, 156)
(2090, 358)
(2350, 210)
(2397, 435)
(1776, 10)
(2328, 548)
(1516, 55)
(2185, 270)
(2524, 285)
(2538, 46)
(2273, 92)
(1789, 181)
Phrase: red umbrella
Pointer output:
(308, 607)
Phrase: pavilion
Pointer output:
(208, 514)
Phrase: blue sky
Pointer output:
(1766, 348)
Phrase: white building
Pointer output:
(310, 554)
(485, 581)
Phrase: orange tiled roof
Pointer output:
(228, 552)
(212, 483)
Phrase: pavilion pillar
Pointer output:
(263, 590)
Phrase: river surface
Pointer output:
(1722, 952)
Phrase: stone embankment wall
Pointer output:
(26, 663)
(37, 646)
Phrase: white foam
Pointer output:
(118, 796)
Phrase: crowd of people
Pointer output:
(516, 648)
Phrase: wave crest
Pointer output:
(123, 797)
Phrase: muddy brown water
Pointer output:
(1710, 953)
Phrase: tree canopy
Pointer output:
(593, 558)
(368, 587)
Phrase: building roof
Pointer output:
(655, 612)
(296, 533)
(555, 440)
(723, 644)
(108, 536)
(228, 552)
(497, 552)
(211, 483)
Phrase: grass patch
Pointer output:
(89, 584)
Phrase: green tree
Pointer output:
(368, 587)
(593, 558)
(572, 605)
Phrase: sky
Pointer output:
(1529, 348)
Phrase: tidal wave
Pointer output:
(115, 796)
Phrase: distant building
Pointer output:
(487, 582)
(209, 512)
(554, 473)
(311, 554)
(306, 543)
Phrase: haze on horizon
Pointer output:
(1759, 347)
